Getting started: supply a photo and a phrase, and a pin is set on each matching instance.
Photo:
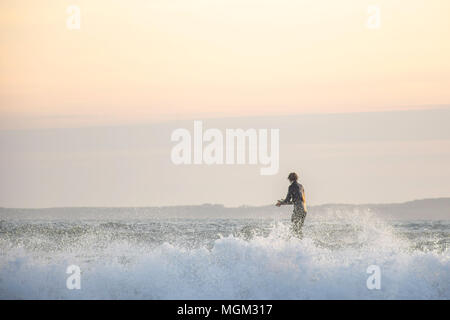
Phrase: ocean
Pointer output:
(211, 258)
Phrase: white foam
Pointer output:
(273, 267)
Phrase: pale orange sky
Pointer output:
(142, 60)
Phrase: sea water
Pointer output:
(155, 258)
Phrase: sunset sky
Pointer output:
(147, 60)
(86, 115)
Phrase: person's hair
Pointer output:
(292, 176)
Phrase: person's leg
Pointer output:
(298, 217)
(297, 228)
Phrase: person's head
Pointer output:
(292, 177)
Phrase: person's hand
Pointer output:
(278, 203)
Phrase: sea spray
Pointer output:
(252, 259)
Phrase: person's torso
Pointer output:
(297, 192)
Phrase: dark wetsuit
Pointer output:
(296, 196)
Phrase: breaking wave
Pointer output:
(243, 265)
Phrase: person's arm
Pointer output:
(287, 200)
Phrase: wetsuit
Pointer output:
(296, 196)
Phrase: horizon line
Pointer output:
(222, 205)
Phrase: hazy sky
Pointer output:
(86, 115)
(351, 158)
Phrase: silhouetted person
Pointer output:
(295, 196)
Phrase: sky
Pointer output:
(371, 157)
(138, 69)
